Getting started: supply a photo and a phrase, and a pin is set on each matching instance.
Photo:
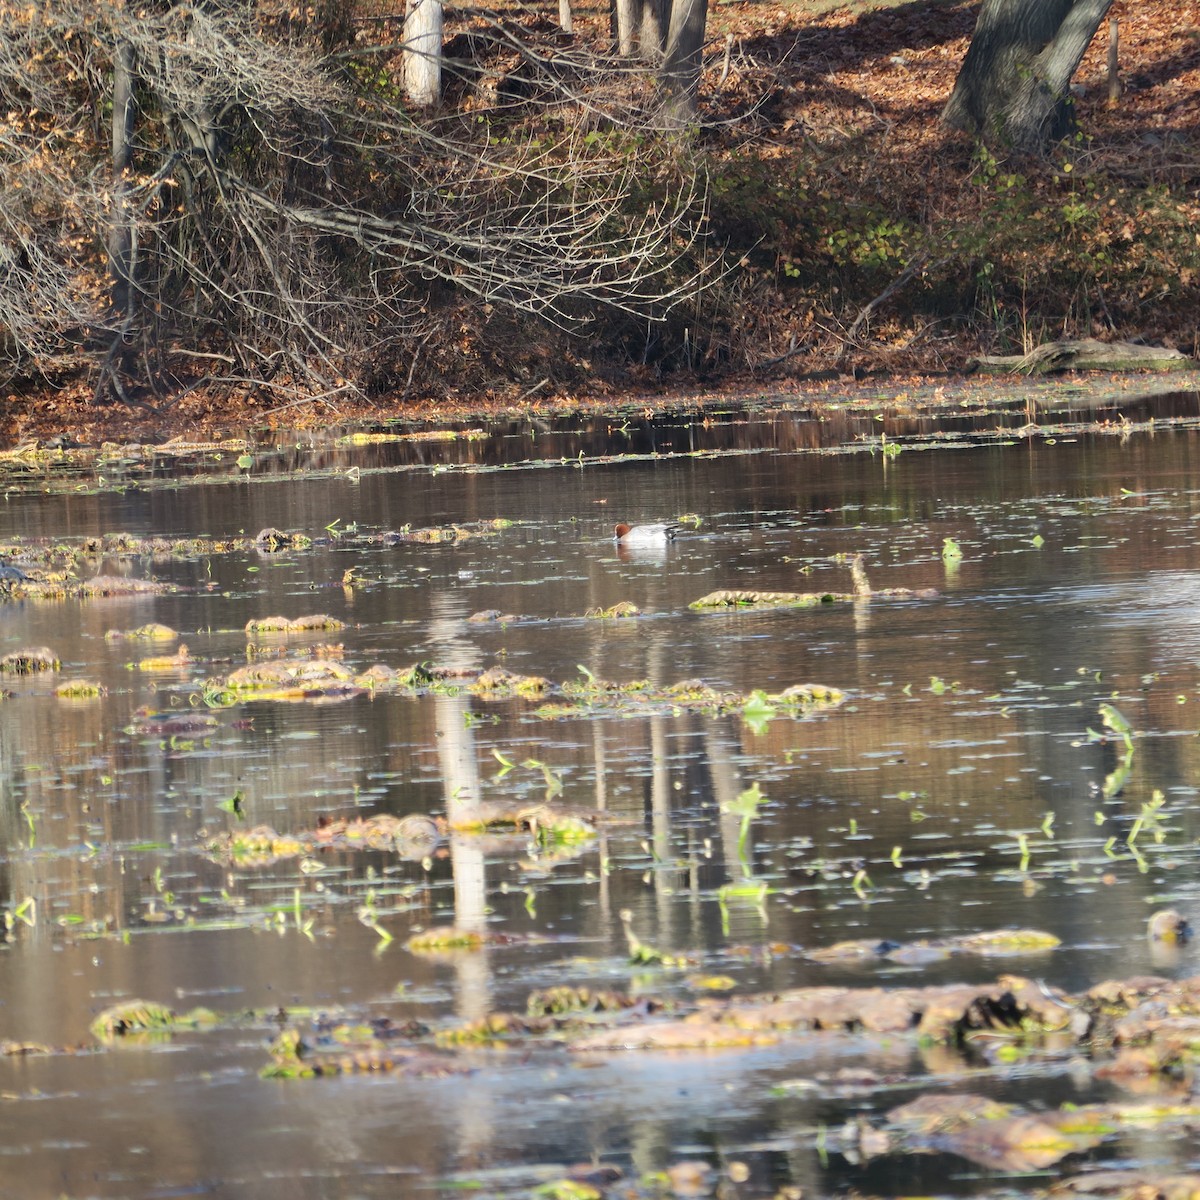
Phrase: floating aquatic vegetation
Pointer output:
(24, 913)
(499, 681)
(314, 622)
(727, 598)
(990, 942)
(315, 679)
(153, 632)
(311, 679)
(348, 1051)
(271, 541)
(374, 438)
(548, 822)
(366, 438)
(80, 689)
(446, 937)
(1152, 1023)
(11, 1049)
(758, 711)
(568, 1189)
(559, 712)
(690, 692)
(1116, 723)
(496, 1028)
(645, 955)
(556, 1001)
(144, 1016)
(1129, 1185)
(1006, 1013)
(63, 555)
(416, 828)
(167, 662)
(746, 807)
(806, 695)
(152, 723)
(130, 545)
(254, 847)
(120, 585)
(616, 611)
(383, 832)
(999, 1136)
(1012, 1006)
(451, 937)
(489, 615)
(31, 661)
(591, 685)
(1007, 1137)
(742, 598)
(98, 586)
(413, 836)
(711, 983)
(445, 534)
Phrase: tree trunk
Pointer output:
(652, 31)
(1014, 85)
(625, 14)
(680, 74)
(120, 231)
(565, 20)
(423, 22)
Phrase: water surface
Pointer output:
(955, 790)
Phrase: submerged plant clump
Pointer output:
(1116, 1021)
(614, 612)
(80, 689)
(314, 622)
(31, 661)
(350, 1051)
(445, 534)
(1012, 1011)
(152, 632)
(133, 1017)
(992, 942)
(65, 588)
(271, 541)
(166, 662)
(320, 680)
(742, 598)
(56, 569)
(262, 844)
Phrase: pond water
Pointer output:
(956, 789)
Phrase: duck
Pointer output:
(644, 535)
(1169, 926)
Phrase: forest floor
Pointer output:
(870, 241)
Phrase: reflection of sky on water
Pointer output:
(898, 816)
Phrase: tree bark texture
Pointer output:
(1014, 84)
(680, 72)
(626, 14)
(652, 29)
(120, 231)
(423, 24)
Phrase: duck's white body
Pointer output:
(644, 535)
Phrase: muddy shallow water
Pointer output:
(955, 790)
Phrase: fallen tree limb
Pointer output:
(1086, 354)
(918, 264)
